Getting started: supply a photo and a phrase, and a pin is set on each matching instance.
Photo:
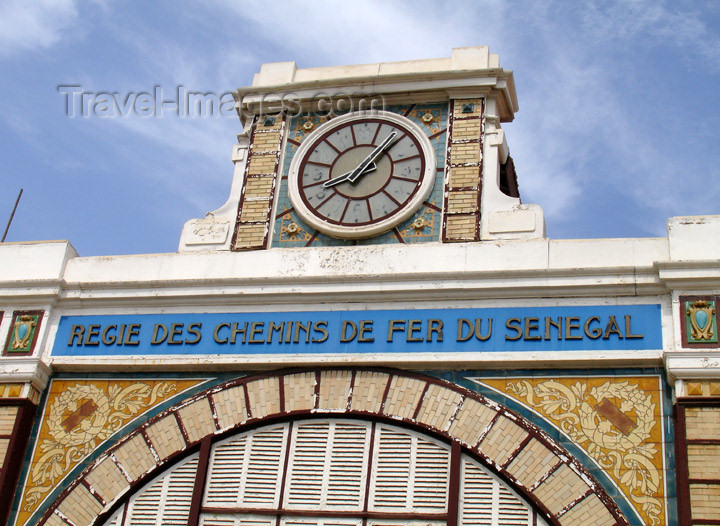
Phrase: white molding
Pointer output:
(450, 360)
(692, 365)
(25, 369)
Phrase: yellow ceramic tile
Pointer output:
(78, 416)
(10, 390)
(617, 420)
(694, 389)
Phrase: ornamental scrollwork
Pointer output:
(80, 418)
(613, 422)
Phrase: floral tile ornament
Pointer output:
(78, 417)
(616, 420)
(23, 334)
(701, 321)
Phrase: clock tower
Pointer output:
(455, 368)
(401, 152)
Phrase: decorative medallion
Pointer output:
(617, 421)
(23, 332)
(703, 324)
(78, 417)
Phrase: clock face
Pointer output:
(359, 175)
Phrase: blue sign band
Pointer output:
(588, 328)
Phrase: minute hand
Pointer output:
(357, 172)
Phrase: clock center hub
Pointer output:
(369, 183)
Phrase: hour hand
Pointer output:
(387, 143)
(346, 176)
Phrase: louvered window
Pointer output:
(166, 500)
(330, 472)
(328, 466)
(245, 471)
(486, 501)
(411, 472)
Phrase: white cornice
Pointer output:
(30, 370)
(690, 274)
(693, 365)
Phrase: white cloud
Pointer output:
(26, 25)
(572, 63)
(655, 22)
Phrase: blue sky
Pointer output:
(617, 128)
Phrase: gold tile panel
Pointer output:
(458, 105)
(560, 489)
(590, 511)
(702, 423)
(504, 437)
(197, 419)
(107, 480)
(471, 420)
(135, 457)
(166, 436)
(704, 461)
(368, 391)
(80, 506)
(438, 406)
(403, 396)
(264, 395)
(8, 413)
(230, 406)
(464, 177)
(532, 463)
(334, 390)
(705, 501)
(250, 235)
(4, 444)
(299, 391)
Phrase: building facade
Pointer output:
(374, 329)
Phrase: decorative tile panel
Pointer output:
(256, 200)
(463, 180)
(617, 420)
(78, 416)
(24, 330)
(699, 321)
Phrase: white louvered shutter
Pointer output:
(411, 472)
(208, 519)
(328, 462)
(486, 501)
(511, 511)
(166, 500)
(245, 471)
(313, 521)
(328, 465)
(476, 496)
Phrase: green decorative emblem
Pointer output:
(22, 333)
(703, 326)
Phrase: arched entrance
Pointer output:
(476, 433)
(322, 472)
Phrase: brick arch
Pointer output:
(534, 465)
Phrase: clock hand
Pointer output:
(344, 177)
(360, 170)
